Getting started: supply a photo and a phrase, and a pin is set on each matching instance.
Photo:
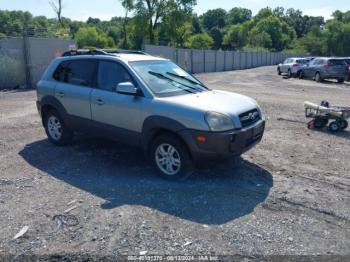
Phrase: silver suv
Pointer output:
(292, 66)
(148, 102)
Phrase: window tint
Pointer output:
(314, 62)
(110, 74)
(337, 62)
(60, 71)
(76, 72)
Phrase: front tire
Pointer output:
(56, 130)
(279, 71)
(343, 124)
(341, 80)
(171, 158)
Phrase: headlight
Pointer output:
(218, 122)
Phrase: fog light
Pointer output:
(201, 138)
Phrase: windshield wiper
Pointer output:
(187, 79)
(160, 75)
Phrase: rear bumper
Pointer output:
(223, 144)
(334, 76)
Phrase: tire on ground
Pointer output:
(66, 135)
(186, 167)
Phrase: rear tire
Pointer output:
(56, 130)
(318, 78)
(301, 75)
(171, 158)
(320, 123)
(334, 127)
(341, 80)
(289, 75)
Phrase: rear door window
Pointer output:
(110, 74)
(337, 62)
(79, 72)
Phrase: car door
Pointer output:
(308, 70)
(284, 66)
(75, 81)
(118, 114)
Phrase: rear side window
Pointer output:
(80, 72)
(337, 62)
(302, 61)
(110, 74)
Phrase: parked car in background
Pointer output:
(292, 66)
(347, 61)
(148, 102)
(325, 68)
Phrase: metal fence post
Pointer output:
(224, 60)
(233, 60)
(204, 61)
(191, 55)
(26, 55)
(215, 59)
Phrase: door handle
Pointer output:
(100, 102)
(61, 94)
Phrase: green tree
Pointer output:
(214, 18)
(89, 37)
(217, 36)
(263, 14)
(281, 34)
(196, 25)
(259, 39)
(177, 24)
(238, 15)
(200, 41)
(236, 36)
(156, 10)
(128, 6)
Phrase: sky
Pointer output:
(105, 9)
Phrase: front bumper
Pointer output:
(223, 144)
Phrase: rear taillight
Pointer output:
(328, 65)
(295, 65)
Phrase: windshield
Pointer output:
(165, 78)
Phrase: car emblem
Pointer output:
(251, 116)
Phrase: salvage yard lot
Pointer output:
(290, 195)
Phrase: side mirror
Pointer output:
(126, 88)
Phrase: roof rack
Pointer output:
(123, 51)
(100, 52)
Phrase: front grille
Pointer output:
(249, 118)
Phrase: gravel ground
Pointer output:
(290, 195)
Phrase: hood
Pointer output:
(228, 103)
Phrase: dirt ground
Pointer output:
(290, 195)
